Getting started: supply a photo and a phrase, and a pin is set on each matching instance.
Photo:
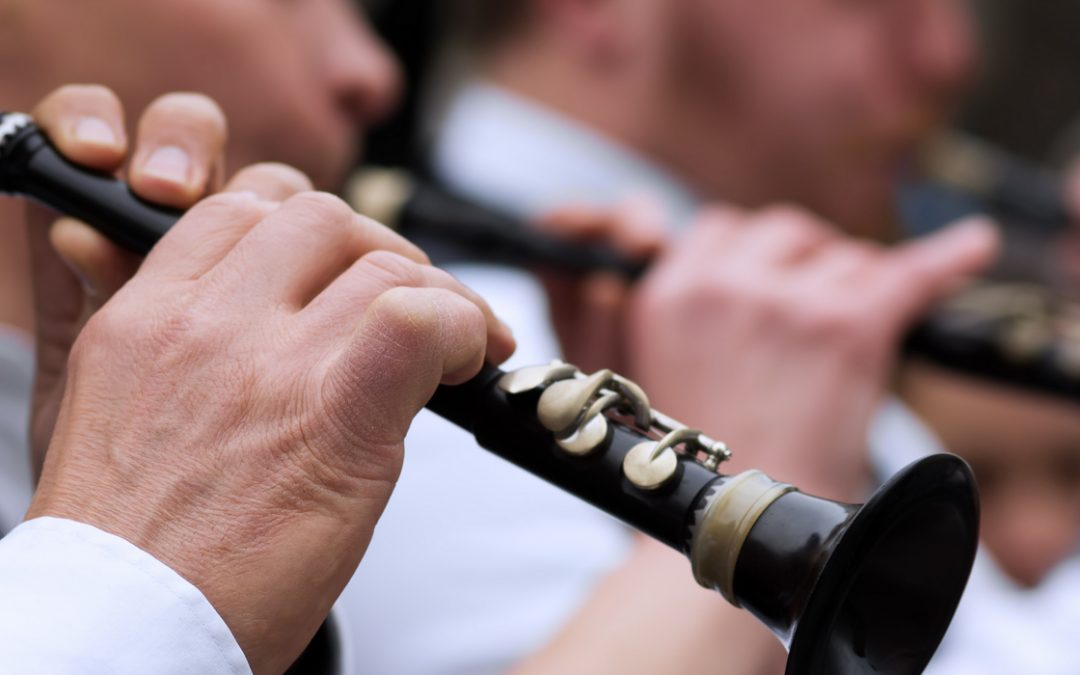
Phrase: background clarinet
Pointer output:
(972, 337)
(847, 589)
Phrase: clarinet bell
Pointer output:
(848, 589)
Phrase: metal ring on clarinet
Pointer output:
(848, 589)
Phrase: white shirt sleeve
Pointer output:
(16, 381)
(76, 599)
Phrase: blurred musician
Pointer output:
(743, 327)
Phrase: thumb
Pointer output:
(102, 266)
(59, 297)
(920, 273)
(68, 258)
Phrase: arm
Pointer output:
(777, 334)
(650, 617)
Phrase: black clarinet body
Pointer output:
(424, 212)
(846, 588)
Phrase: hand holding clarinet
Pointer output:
(237, 407)
(272, 341)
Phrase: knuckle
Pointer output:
(792, 219)
(862, 251)
(681, 298)
(280, 173)
(407, 324)
(55, 111)
(228, 206)
(322, 210)
(464, 315)
(434, 276)
(705, 293)
(101, 329)
(393, 269)
(712, 214)
(843, 326)
(784, 211)
(95, 93)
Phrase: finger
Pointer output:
(306, 243)
(842, 263)
(635, 227)
(102, 266)
(643, 229)
(579, 224)
(59, 301)
(379, 271)
(270, 181)
(917, 274)
(597, 329)
(707, 244)
(86, 124)
(222, 220)
(206, 234)
(779, 237)
(409, 340)
(179, 147)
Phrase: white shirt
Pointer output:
(16, 381)
(74, 599)
(468, 556)
(476, 564)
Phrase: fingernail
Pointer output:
(95, 130)
(168, 163)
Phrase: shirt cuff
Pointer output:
(75, 598)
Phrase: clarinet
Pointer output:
(1019, 343)
(846, 588)
(1010, 187)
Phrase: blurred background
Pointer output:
(1009, 150)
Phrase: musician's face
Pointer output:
(1025, 451)
(299, 79)
(823, 99)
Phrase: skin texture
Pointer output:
(797, 318)
(1025, 450)
(252, 455)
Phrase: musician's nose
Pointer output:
(942, 49)
(364, 76)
